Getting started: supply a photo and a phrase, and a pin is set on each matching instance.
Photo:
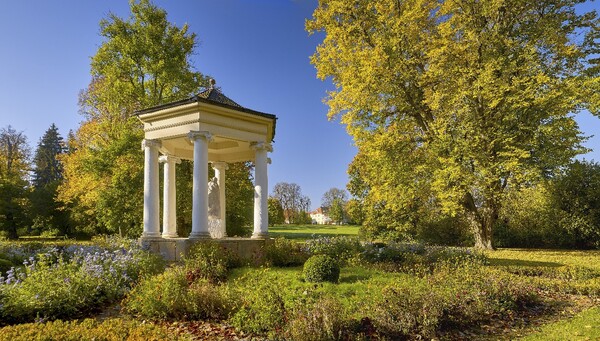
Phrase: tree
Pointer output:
(47, 176)
(576, 192)
(275, 212)
(143, 61)
(332, 195)
(336, 211)
(292, 200)
(47, 168)
(14, 173)
(354, 211)
(240, 199)
(452, 103)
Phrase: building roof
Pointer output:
(214, 96)
(217, 96)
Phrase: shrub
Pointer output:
(160, 296)
(170, 295)
(341, 248)
(208, 260)
(471, 293)
(407, 309)
(323, 320)
(285, 252)
(321, 268)
(261, 307)
(71, 282)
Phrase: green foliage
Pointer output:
(143, 61)
(46, 213)
(325, 319)
(209, 261)
(275, 212)
(173, 294)
(563, 212)
(285, 252)
(261, 307)
(47, 167)
(240, 203)
(336, 211)
(341, 248)
(577, 194)
(405, 310)
(294, 203)
(71, 282)
(453, 103)
(14, 168)
(321, 268)
(111, 329)
(355, 212)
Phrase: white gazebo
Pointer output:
(206, 128)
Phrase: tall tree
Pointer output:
(47, 168)
(453, 102)
(275, 212)
(332, 195)
(293, 202)
(336, 211)
(47, 176)
(143, 61)
(14, 175)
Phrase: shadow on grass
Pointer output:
(520, 262)
(292, 235)
(353, 278)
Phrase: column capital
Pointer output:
(169, 158)
(195, 134)
(261, 146)
(151, 144)
(220, 165)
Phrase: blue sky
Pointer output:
(257, 50)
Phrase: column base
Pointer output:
(260, 235)
(170, 235)
(151, 235)
(199, 235)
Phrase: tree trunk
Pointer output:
(482, 232)
(12, 228)
(481, 221)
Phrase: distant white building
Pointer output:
(320, 216)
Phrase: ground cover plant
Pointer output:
(70, 280)
(384, 291)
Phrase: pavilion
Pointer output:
(206, 128)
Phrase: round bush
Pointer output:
(321, 268)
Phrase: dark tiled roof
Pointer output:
(215, 95)
(211, 96)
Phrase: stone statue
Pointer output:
(214, 203)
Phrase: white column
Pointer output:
(169, 196)
(220, 168)
(261, 189)
(151, 189)
(200, 184)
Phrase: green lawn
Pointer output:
(583, 326)
(310, 231)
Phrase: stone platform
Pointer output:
(173, 249)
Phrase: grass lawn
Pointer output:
(310, 231)
(583, 326)
(567, 282)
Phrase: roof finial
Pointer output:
(212, 82)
